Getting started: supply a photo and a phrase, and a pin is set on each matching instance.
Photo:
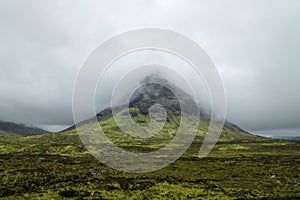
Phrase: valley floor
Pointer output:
(63, 169)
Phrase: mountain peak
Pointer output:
(157, 90)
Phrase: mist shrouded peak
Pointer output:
(151, 92)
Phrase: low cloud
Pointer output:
(253, 43)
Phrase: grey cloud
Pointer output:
(255, 45)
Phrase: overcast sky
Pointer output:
(254, 44)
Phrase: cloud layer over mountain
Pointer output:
(254, 44)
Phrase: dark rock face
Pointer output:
(152, 93)
(149, 94)
(104, 114)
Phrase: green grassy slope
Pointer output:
(5, 136)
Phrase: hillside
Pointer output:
(151, 94)
(297, 138)
(20, 129)
(5, 136)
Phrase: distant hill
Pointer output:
(297, 138)
(19, 129)
(283, 137)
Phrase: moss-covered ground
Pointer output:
(57, 166)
